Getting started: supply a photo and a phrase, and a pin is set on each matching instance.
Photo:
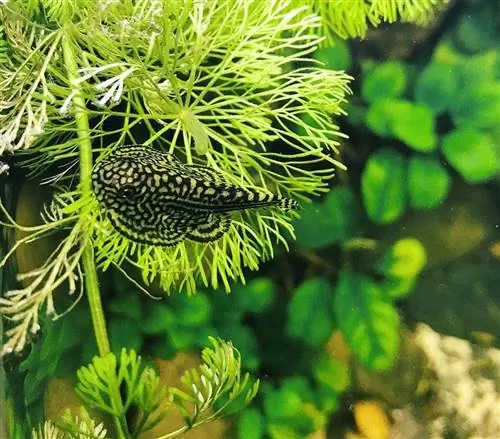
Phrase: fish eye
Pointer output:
(127, 191)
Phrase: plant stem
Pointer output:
(89, 268)
(83, 130)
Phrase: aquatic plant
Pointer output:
(448, 114)
(210, 85)
(213, 83)
(352, 18)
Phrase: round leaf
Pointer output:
(281, 403)
(379, 116)
(436, 86)
(313, 228)
(481, 68)
(124, 332)
(331, 373)
(369, 323)
(413, 124)
(256, 296)
(428, 182)
(344, 211)
(405, 259)
(338, 218)
(478, 31)
(477, 106)
(396, 288)
(158, 319)
(384, 81)
(383, 186)
(128, 305)
(336, 57)
(192, 311)
(472, 154)
(309, 316)
(250, 424)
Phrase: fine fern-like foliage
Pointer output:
(82, 427)
(207, 81)
(100, 383)
(351, 18)
(4, 48)
(215, 389)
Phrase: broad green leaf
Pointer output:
(280, 431)
(396, 288)
(191, 311)
(428, 182)
(309, 312)
(345, 213)
(356, 114)
(299, 385)
(413, 124)
(313, 228)
(379, 116)
(256, 296)
(282, 403)
(331, 373)
(478, 31)
(387, 80)
(251, 424)
(336, 57)
(161, 347)
(182, 338)
(477, 106)
(383, 184)
(369, 323)
(124, 333)
(38, 366)
(405, 259)
(436, 86)
(292, 405)
(158, 318)
(481, 68)
(447, 54)
(337, 218)
(127, 305)
(472, 154)
(58, 339)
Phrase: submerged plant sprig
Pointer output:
(79, 427)
(209, 82)
(22, 306)
(216, 388)
(351, 18)
(113, 384)
(25, 98)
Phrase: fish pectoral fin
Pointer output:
(159, 236)
(210, 228)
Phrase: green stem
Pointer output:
(89, 268)
(83, 131)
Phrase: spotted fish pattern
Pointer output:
(153, 198)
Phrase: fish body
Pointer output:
(153, 198)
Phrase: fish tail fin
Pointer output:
(286, 204)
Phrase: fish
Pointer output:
(151, 197)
